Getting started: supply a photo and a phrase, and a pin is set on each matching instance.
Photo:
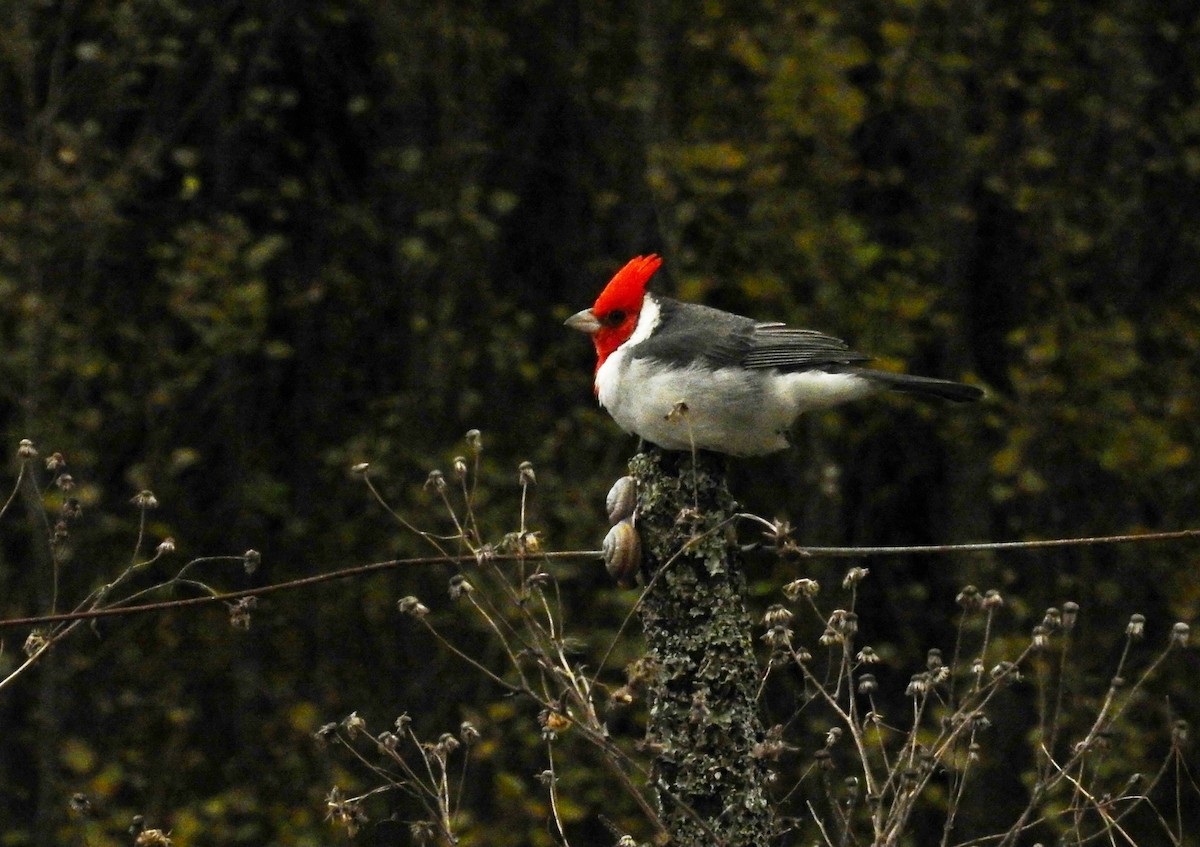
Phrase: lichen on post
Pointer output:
(703, 720)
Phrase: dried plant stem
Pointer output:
(553, 787)
(986, 546)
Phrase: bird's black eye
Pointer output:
(614, 318)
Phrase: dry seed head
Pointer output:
(867, 684)
(933, 659)
(1136, 627)
(553, 722)
(240, 611)
(969, 599)
(525, 474)
(412, 606)
(1179, 634)
(459, 586)
(460, 467)
(1070, 614)
(26, 450)
(993, 599)
(145, 499)
(447, 744)
(354, 725)
(436, 481)
(361, 468)
(1006, 672)
(777, 614)
(830, 637)
(65, 482)
(422, 832)
(55, 462)
(1041, 637)
(780, 532)
(854, 576)
(474, 442)
(918, 685)
(1179, 731)
(35, 643)
(868, 656)
(843, 622)
(529, 543)
(81, 804)
(467, 733)
(1052, 620)
(71, 510)
(251, 559)
(167, 545)
(801, 588)
(777, 636)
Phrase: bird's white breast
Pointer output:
(730, 410)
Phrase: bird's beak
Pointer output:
(584, 321)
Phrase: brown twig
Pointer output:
(994, 545)
(117, 610)
(359, 570)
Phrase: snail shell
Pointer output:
(622, 499)
(623, 552)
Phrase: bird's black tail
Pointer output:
(926, 386)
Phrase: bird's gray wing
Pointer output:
(688, 333)
(775, 345)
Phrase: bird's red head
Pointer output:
(617, 308)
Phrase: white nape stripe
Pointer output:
(647, 322)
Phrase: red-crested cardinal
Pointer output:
(684, 376)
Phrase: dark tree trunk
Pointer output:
(704, 723)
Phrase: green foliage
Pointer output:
(245, 246)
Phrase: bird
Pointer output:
(689, 377)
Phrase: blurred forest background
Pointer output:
(245, 245)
